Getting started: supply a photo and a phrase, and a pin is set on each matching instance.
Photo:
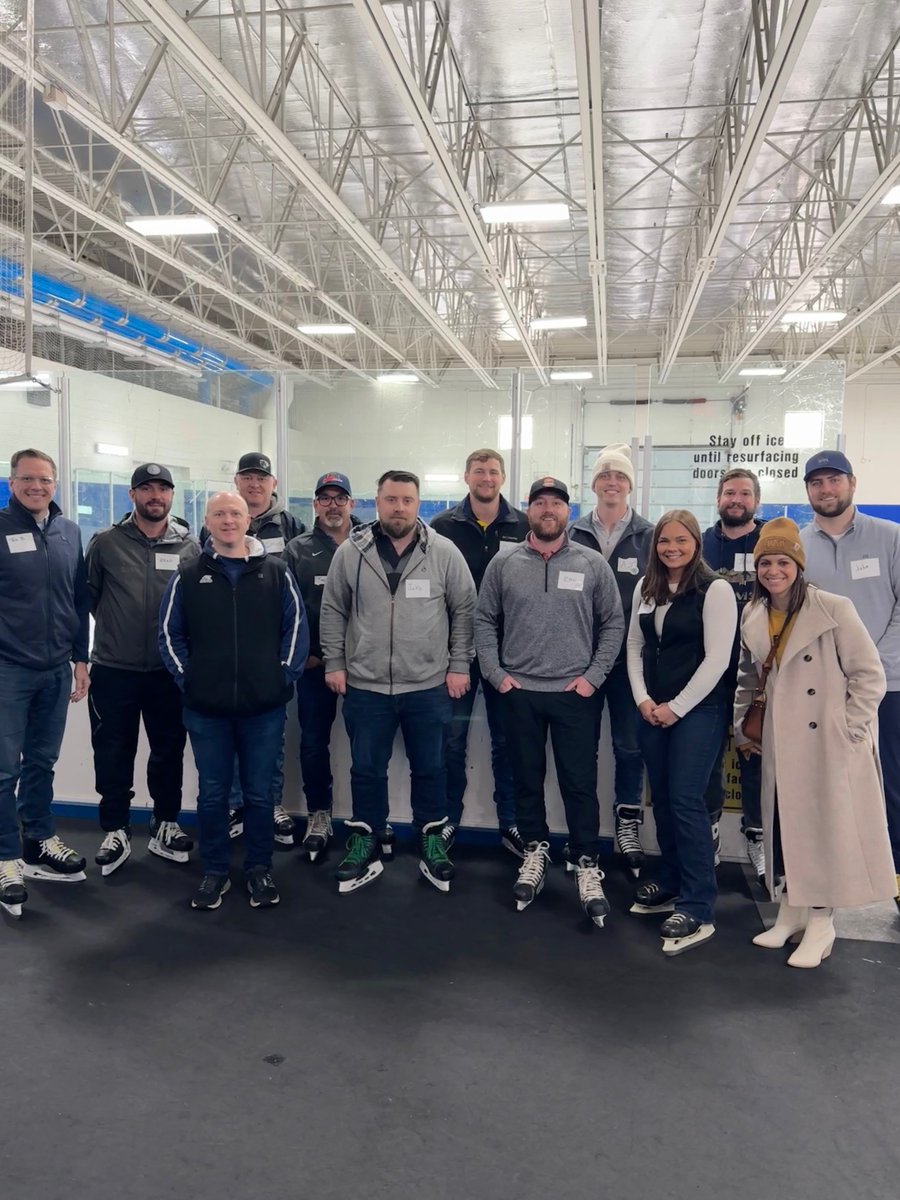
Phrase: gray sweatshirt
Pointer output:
(864, 566)
(401, 643)
(547, 622)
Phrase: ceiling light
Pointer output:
(172, 226)
(559, 323)
(397, 377)
(116, 451)
(559, 376)
(762, 371)
(817, 316)
(442, 479)
(508, 214)
(325, 330)
(891, 197)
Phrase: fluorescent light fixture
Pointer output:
(442, 479)
(505, 432)
(804, 430)
(509, 214)
(559, 323)
(116, 451)
(891, 197)
(559, 376)
(38, 383)
(325, 330)
(398, 377)
(817, 316)
(172, 226)
(773, 371)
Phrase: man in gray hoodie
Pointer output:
(396, 634)
(548, 630)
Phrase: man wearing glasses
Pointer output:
(43, 631)
(309, 557)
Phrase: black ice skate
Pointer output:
(284, 826)
(168, 840)
(12, 887)
(629, 819)
(361, 864)
(318, 833)
(532, 872)
(52, 860)
(589, 878)
(115, 849)
(682, 932)
(434, 864)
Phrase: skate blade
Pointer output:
(442, 885)
(48, 876)
(635, 871)
(570, 867)
(345, 886)
(645, 910)
(284, 839)
(313, 854)
(108, 868)
(14, 910)
(673, 946)
(179, 856)
(598, 921)
(521, 905)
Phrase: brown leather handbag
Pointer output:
(752, 724)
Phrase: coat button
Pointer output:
(813, 725)
(807, 658)
(810, 691)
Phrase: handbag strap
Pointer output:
(770, 657)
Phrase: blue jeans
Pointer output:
(216, 742)
(316, 710)
(34, 705)
(372, 720)
(235, 797)
(457, 740)
(679, 760)
(624, 723)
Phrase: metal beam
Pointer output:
(734, 160)
(846, 327)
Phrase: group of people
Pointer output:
(679, 635)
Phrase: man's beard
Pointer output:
(397, 534)
(733, 521)
(158, 513)
(544, 534)
(840, 507)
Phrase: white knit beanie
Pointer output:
(615, 457)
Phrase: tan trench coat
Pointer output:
(830, 801)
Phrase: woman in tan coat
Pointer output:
(823, 809)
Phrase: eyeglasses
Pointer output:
(43, 480)
(337, 501)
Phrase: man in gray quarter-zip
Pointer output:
(396, 635)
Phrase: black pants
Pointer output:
(572, 721)
(117, 701)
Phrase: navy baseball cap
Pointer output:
(548, 484)
(333, 479)
(827, 460)
(255, 462)
(151, 473)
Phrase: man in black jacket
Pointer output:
(478, 526)
(309, 557)
(234, 637)
(623, 537)
(128, 568)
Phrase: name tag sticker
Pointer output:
(418, 589)
(273, 545)
(20, 543)
(628, 566)
(571, 581)
(863, 568)
(744, 562)
(167, 562)
(320, 580)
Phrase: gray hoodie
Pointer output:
(401, 643)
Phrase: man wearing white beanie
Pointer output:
(623, 538)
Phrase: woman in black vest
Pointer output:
(683, 622)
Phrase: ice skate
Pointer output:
(651, 898)
(52, 860)
(448, 833)
(589, 878)
(168, 840)
(115, 849)
(629, 819)
(386, 840)
(756, 853)
(361, 864)
(434, 864)
(512, 840)
(682, 932)
(284, 826)
(12, 887)
(532, 872)
(318, 833)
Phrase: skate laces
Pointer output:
(113, 840)
(318, 825)
(434, 848)
(53, 847)
(679, 925)
(534, 863)
(589, 879)
(11, 871)
(628, 835)
(359, 846)
(168, 831)
(281, 813)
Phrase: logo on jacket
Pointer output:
(206, 578)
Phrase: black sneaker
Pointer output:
(262, 889)
(235, 822)
(52, 859)
(210, 892)
(512, 840)
(115, 849)
(651, 898)
(434, 864)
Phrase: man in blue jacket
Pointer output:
(233, 634)
(43, 630)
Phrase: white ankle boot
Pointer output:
(817, 940)
(789, 921)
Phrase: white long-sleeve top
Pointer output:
(719, 625)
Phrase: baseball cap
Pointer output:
(333, 479)
(548, 484)
(151, 473)
(827, 460)
(255, 462)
